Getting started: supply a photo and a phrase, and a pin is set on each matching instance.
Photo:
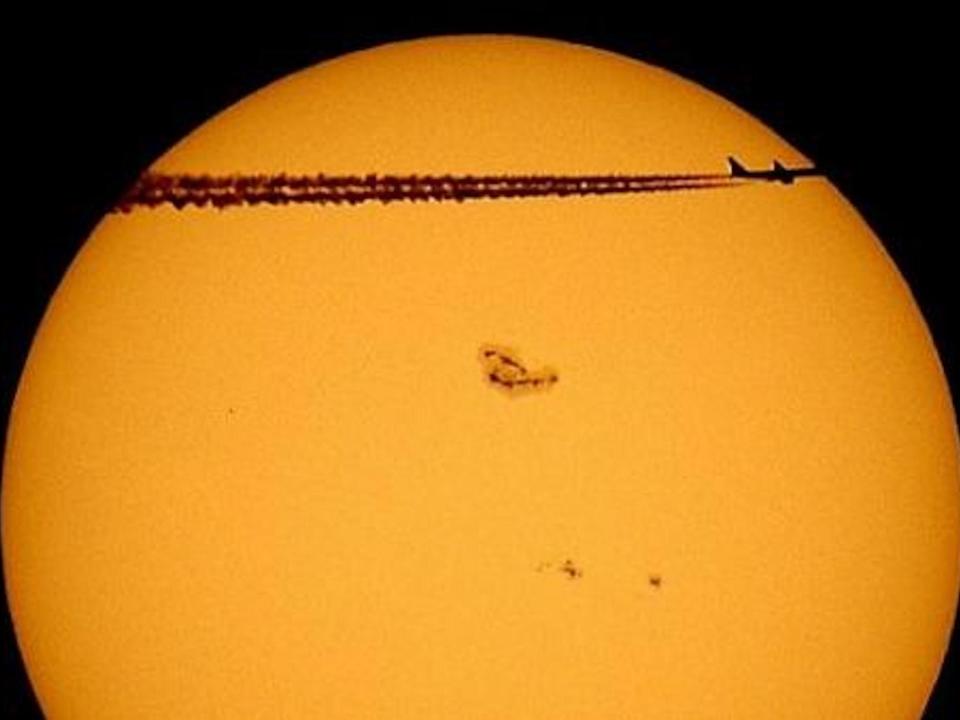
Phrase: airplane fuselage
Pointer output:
(779, 173)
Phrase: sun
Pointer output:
(548, 455)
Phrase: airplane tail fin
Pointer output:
(736, 169)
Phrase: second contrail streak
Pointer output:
(153, 190)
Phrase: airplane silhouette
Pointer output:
(778, 174)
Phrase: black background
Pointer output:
(93, 101)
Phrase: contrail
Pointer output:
(180, 191)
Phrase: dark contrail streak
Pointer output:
(153, 190)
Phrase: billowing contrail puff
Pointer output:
(180, 191)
